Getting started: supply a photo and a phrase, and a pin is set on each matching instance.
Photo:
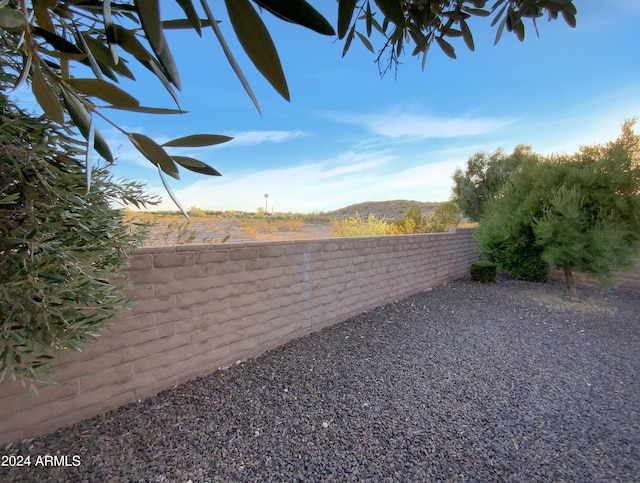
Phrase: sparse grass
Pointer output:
(255, 227)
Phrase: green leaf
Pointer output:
(476, 11)
(365, 42)
(298, 12)
(198, 140)
(11, 18)
(9, 199)
(192, 15)
(105, 91)
(392, 9)
(446, 47)
(42, 16)
(154, 66)
(569, 18)
(257, 43)
(57, 42)
(108, 28)
(47, 100)
(91, 59)
(170, 192)
(500, 30)
(54, 277)
(345, 14)
(196, 166)
(229, 55)
(183, 23)
(90, 142)
(347, 42)
(518, 28)
(24, 73)
(466, 35)
(82, 119)
(149, 13)
(499, 14)
(154, 153)
(100, 55)
(368, 19)
(148, 110)
(399, 40)
(451, 32)
(129, 43)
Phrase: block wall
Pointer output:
(198, 308)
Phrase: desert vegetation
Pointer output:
(445, 217)
(394, 217)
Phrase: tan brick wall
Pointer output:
(202, 307)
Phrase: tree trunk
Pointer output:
(571, 284)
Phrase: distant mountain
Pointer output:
(391, 210)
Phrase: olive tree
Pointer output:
(40, 40)
(484, 177)
(62, 245)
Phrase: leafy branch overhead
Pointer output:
(425, 22)
(41, 40)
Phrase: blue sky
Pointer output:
(348, 136)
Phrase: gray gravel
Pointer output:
(466, 382)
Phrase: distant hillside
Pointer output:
(391, 210)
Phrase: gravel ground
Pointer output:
(466, 382)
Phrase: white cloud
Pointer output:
(252, 138)
(403, 123)
(127, 153)
(351, 177)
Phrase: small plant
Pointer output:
(210, 239)
(484, 271)
(184, 236)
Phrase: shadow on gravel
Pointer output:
(466, 382)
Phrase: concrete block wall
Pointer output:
(202, 307)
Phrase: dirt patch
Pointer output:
(584, 305)
(206, 230)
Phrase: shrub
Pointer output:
(413, 221)
(356, 226)
(194, 211)
(484, 271)
(184, 234)
(61, 245)
(446, 217)
(506, 240)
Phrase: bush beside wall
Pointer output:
(202, 307)
(484, 271)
